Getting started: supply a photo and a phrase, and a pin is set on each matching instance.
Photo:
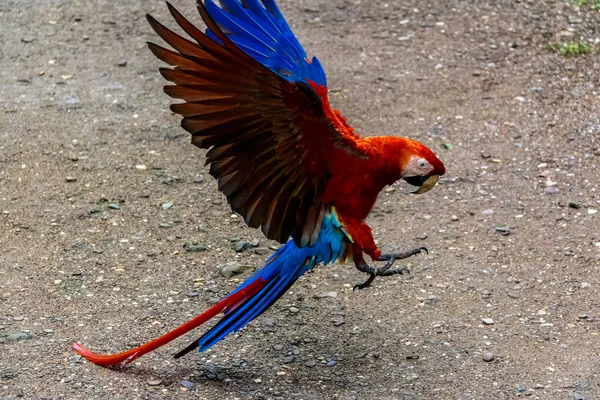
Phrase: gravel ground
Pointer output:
(112, 232)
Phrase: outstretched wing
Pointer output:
(271, 137)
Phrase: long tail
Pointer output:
(244, 304)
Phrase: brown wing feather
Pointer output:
(254, 124)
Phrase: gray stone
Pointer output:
(233, 268)
(19, 337)
(9, 374)
(242, 245)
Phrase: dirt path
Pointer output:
(513, 232)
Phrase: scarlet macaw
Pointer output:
(287, 162)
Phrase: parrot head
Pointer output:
(421, 167)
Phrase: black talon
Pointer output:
(385, 269)
(365, 284)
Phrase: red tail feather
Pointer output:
(128, 356)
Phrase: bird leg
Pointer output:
(385, 270)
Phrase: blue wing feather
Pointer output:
(262, 32)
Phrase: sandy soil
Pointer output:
(513, 232)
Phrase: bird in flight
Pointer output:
(287, 162)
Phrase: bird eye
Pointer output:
(422, 163)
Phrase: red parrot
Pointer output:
(286, 161)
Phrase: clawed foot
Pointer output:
(386, 270)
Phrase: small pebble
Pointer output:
(583, 316)
(325, 294)
(488, 357)
(294, 310)
(122, 63)
(194, 247)
(242, 245)
(289, 359)
(186, 384)
(504, 230)
(278, 347)
(114, 206)
(261, 251)
(70, 179)
(454, 218)
(154, 382)
(487, 321)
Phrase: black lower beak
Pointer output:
(416, 180)
(425, 183)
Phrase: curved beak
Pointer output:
(425, 183)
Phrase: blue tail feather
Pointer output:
(279, 272)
